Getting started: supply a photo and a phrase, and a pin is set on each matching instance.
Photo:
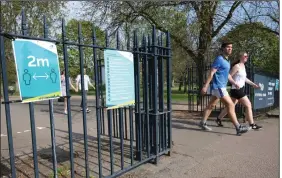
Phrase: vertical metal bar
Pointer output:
(0, 59)
(110, 118)
(111, 140)
(114, 123)
(126, 124)
(155, 95)
(158, 89)
(150, 85)
(131, 133)
(190, 93)
(102, 91)
(101, 95)
(121, 138)
(117, 123)
(150, 72)
(51, 113)
(146, 97)
(31, 112)
(66, 66)
(169, 90)
(98, 109)
(7, 107)
(194, 78)
(161, 92)
(81, 57)
(120, 121)
(137, 99)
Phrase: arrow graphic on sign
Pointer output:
(37, 76)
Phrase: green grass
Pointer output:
(176, 96)
(62, 171)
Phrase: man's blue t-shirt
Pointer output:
(220, 78)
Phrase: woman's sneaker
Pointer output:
(218, 121)
(255, 127)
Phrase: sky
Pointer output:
(73, 10)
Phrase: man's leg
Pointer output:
(207, 112)
(224, 113)
(231, 112)
(87, 110)
(249, 113)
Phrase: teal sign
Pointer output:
(276, 84)
(37, 70)
(119, 78)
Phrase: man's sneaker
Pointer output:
(242, 129)
(218, 121)
(204, 126)
(87, 110)
(255, 127)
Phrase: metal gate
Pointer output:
(126, 137)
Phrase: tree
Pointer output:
(266, 12)
(193, 25)
(263, 46)
(73, 52)
(10, 22)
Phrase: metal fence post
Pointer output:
(7, 104)
(31, 112)
(169, 71)
(155, 111)
(51, 112)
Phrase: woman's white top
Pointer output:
(240, 77)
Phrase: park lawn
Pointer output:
(176, 96)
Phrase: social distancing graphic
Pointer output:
(38, 70)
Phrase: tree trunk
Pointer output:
(185, 83)
(180, 84)
(200, 72)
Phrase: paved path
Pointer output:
(218, 154)
(195, 153)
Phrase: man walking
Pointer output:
(86, 83)
(219, 75)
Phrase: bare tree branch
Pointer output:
(228, 17)
(249, 17)
(161, 28)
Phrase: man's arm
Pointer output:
(77, 82)
(205, 87)
(210, 76)
(89, 82)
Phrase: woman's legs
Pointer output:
(249, 113)
(65, 105)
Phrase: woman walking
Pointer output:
(64, 93)
(239, 75)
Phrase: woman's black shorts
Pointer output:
(237, 93)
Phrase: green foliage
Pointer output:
(73, 51)
(11, 23)
(262, 46)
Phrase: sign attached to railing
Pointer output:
(119, 75)
(38, 70)
(264, 96)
